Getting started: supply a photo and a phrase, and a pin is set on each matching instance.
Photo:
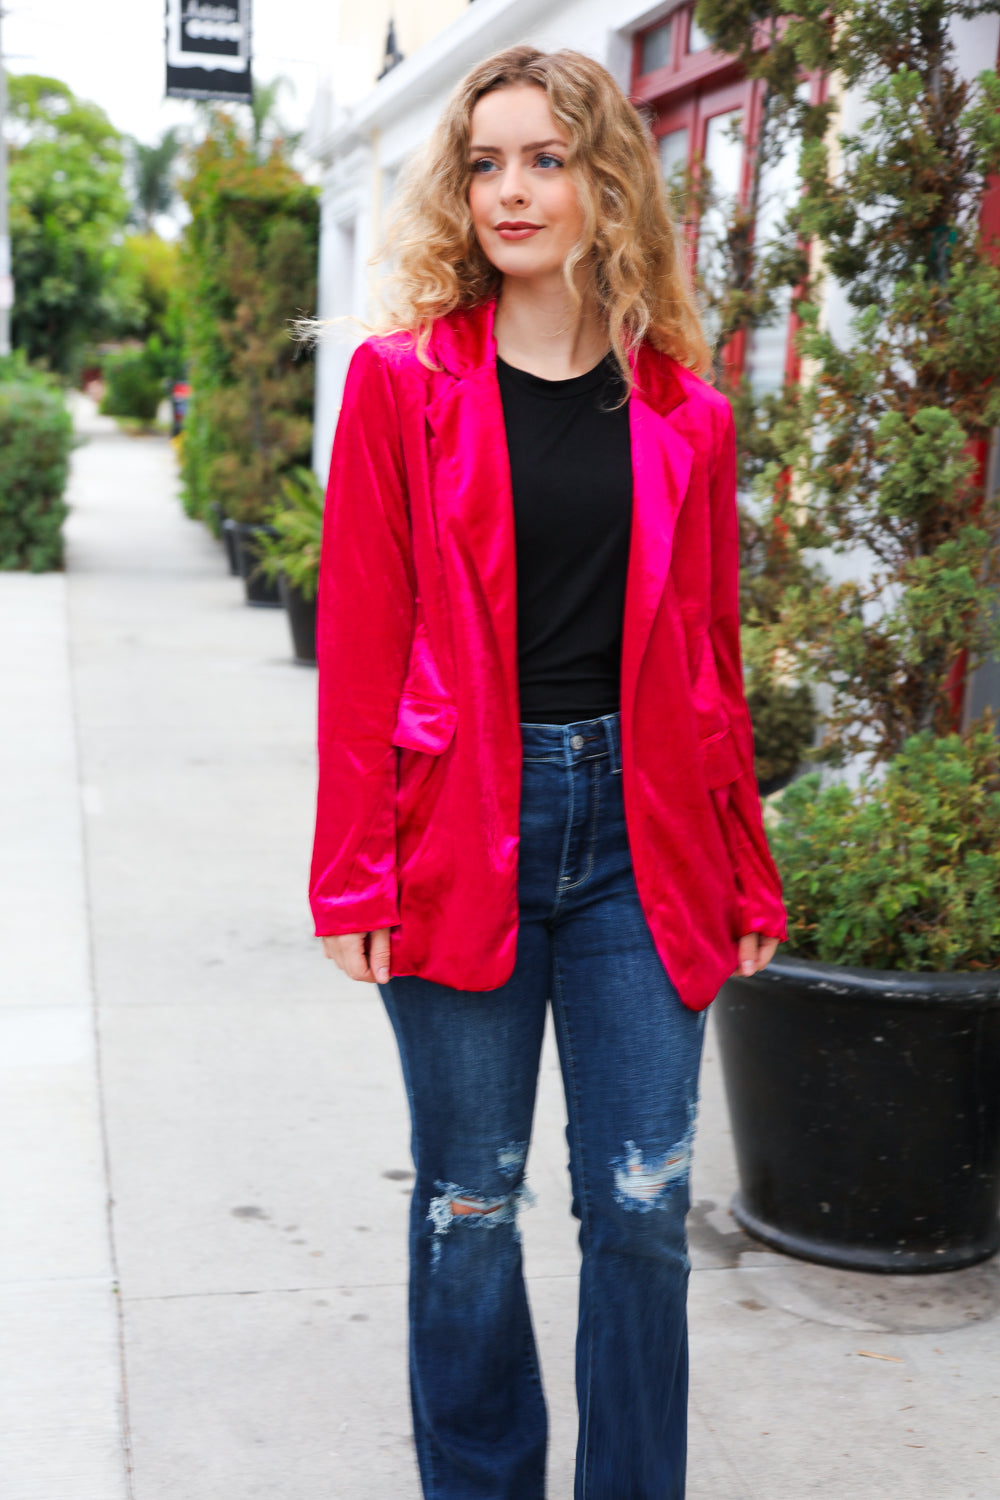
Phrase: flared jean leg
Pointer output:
(630, 1153)
(470, 1063)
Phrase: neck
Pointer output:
(539, 329)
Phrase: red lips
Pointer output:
(516, 229)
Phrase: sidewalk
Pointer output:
(161, 990)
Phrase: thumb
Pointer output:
(378, 955)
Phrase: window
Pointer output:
(697, 39)
(674, 151)
(655, 48)
(704, 111)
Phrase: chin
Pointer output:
(524, 267)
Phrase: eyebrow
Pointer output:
(531, 146)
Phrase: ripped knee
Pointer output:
(476, 1211)
(645, 1182)
(462, 1206)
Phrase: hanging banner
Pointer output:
(208, 50)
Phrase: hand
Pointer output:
(361, 955)
(755, 953)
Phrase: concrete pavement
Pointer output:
(171, 1039)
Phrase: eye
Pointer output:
(547, 160)
(484, 164)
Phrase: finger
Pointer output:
(352, 956)
(378, 954)
(339, 950)
(747, 953)
(768, 948)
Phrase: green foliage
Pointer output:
(36, 436)
(297, 523)
(153, 187)
(904, 872)
(150, 272)
(871, 455)
(67, 209)
(134, 385)
(748, 265)
(249, 258)
(268, 131)
(781, 708)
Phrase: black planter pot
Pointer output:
(301, 620)
(261, 591)
(865, 1108)
(227, 531)
(776, 783)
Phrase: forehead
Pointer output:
(512, 116)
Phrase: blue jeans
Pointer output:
(630, 1053)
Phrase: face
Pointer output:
(524, 204)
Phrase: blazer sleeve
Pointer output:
(759, 885)
(365, 625)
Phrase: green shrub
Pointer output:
(784, 724)
(904, 871)
(134, 385)
(297, 521)
(36, 435)
(249, 261)
(782, 710)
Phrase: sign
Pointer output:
(208, 50)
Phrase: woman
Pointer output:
(536, 764)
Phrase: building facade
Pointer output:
(700, 106)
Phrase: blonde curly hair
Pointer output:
(629, 243)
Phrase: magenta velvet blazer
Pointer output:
(419, 739)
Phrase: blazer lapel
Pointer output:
(661, 468)
(470, 476)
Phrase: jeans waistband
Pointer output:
(568, 744)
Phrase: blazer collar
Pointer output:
(463, 342)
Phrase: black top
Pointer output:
(571, 470)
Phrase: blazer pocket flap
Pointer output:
(424, 726)
(720, 759)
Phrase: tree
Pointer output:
(875, 456)
(67, 210)
(748, 266)
(150, 271)
(268, 129)
(154, 189)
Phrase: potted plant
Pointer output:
(863, 1066)
(248, 540)
(290, 556)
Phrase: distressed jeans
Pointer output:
(630, 1054)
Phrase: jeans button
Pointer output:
(576, 742)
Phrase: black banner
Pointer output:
(208, 50)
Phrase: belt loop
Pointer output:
(612, 735)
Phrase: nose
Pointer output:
(513, 188)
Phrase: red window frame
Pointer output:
(685, 93)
